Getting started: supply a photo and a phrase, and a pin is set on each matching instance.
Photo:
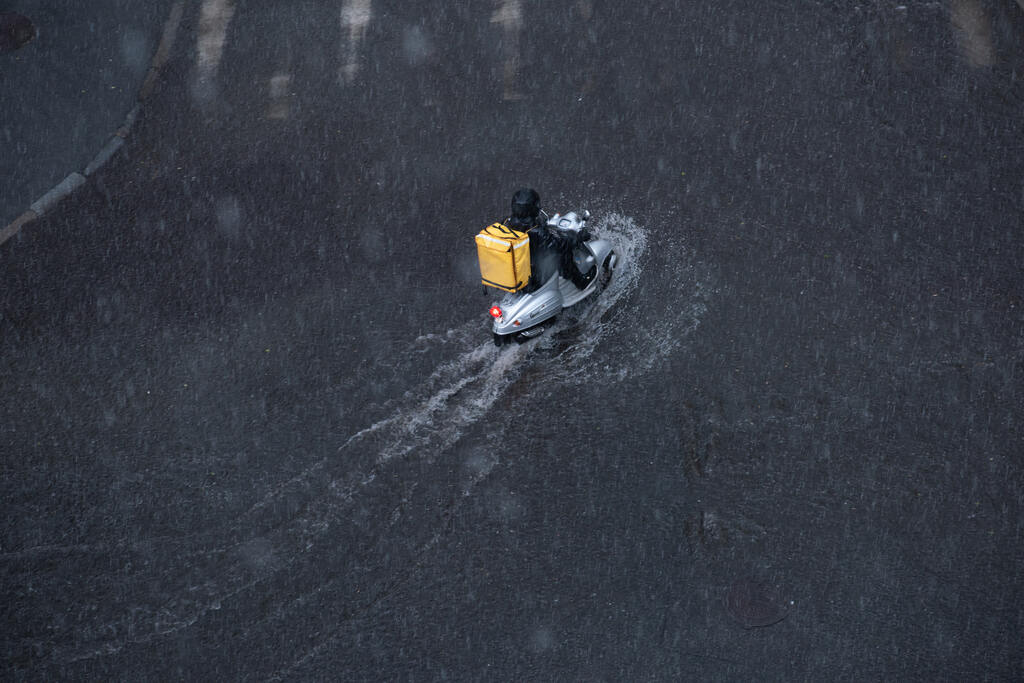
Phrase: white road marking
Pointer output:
(355, 18)
(214, 19)
(510, 15)
(974, 28)
(280, 84)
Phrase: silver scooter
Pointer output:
(521, 316)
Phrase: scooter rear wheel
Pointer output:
(533, 332)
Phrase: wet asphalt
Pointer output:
(253, 426)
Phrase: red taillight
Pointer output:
(495, 312)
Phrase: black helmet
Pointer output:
(525, 203)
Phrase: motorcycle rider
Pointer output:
(551, 250)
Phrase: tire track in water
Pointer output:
(434, 416)
(429, 420)
(567, 351)
(469, 385)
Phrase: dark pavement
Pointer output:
(253, 425)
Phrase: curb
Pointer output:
(76, 179)
(62, 190)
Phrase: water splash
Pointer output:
(635, 335)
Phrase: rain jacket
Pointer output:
(551, 251)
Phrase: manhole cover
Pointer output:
(15, 31)
(754, 604)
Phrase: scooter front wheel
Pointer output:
(606, 272)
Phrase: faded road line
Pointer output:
(214, 19)
(355, 18)
(510, 15)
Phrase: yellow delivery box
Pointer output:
(504, 256)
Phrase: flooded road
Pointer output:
(255, 426)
